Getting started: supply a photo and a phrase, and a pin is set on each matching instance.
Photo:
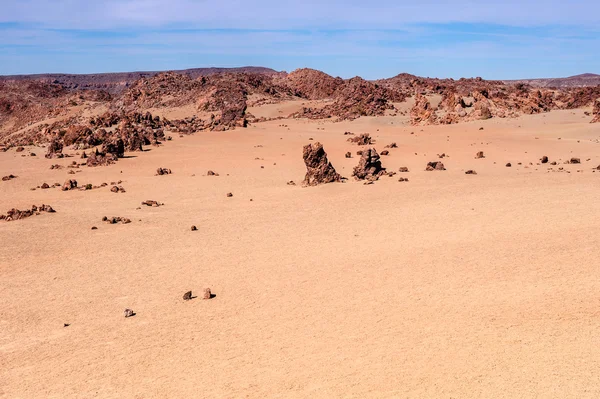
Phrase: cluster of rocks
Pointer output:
(8, 177)
(206, 294)
(163, 171)
(352, 99)
(318, 168)
(15, 214)
(422, 112)
(117, 189)
(55, 149)
(363, 139)
(152, 203)
(436, 165)
(116, 219)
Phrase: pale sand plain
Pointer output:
(446, 286)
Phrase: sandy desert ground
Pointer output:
(445, 286)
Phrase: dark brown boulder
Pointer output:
(318, 168)
(163, 171)
(55, 149)
(437, 165)
(69, 185)
(544, 159)
(348, 154)
(369, 167)
(403, 169)
(187, 296)
(575, 160)
(479, 155)
(470, 172)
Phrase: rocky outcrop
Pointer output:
(596, 111)
(15, 214)
(369, 166)
(422, 112)
(55, 149)
(318, 168)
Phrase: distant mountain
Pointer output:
(116, 82)
(583, 80)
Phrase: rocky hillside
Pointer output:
(117, 82)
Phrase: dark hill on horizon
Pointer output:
(117, 81)
(583, 80)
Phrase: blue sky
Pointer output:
(494, 39)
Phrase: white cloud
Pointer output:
(273, 14)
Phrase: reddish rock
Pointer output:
(152, 203)
(363, 139)
(55, 149)
(318, 168)
(422, 112)
(9, 177)
(207, 294)
(163, 171)
(403, 169)
(69, 185)
(479, 155)
(15, 214)
(98, 158)
(470, 172)
(385, 152)
(436, 165)
(596, 111)
(116, 219)
(369, 166)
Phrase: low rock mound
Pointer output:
(318, 168)
(15, 214)
(116, 219)
(363, 139)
